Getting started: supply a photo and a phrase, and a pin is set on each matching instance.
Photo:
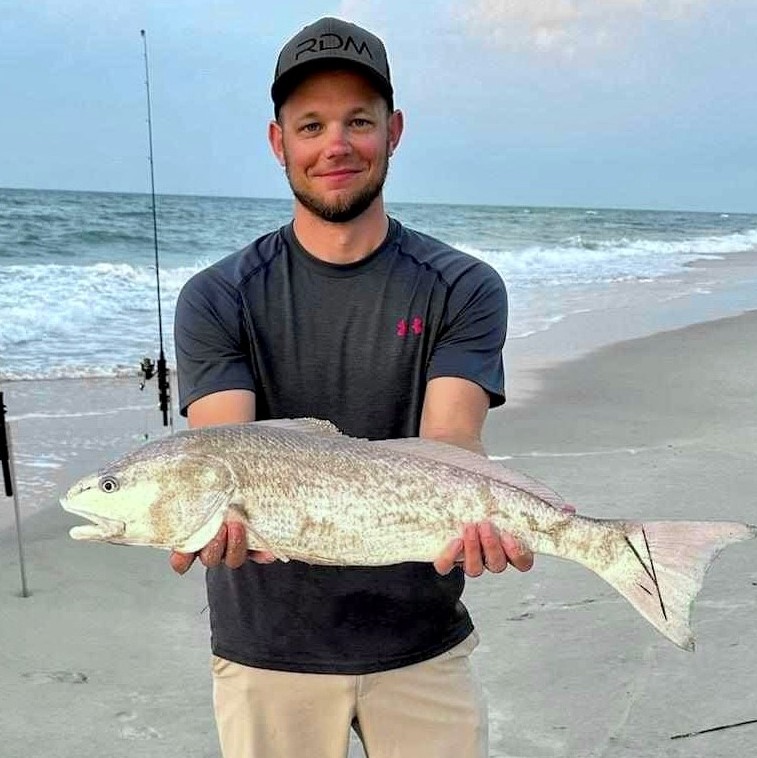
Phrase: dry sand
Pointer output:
(109, 655)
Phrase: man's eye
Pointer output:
(361, 122)
(310, 128)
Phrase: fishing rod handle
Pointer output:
(5, 451)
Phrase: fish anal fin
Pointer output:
(315, 560)
(453, 455)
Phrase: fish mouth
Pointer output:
(101, 529)
(98, 531)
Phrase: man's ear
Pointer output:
(276, 141)
(396, 126)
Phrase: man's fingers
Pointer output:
(236, 544)
(212, 554)
(446, 561)
(494, 554)
(181, 562)
(482, 546)
(521, 557)
(229, 546)
(474, 562)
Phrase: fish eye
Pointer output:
(109, 484)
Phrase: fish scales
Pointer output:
(351, 502)
(306, 492)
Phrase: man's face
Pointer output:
(334, 137)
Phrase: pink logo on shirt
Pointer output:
(415, 326)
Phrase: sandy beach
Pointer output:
(109, 656)
(663, 426)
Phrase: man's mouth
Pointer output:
(337, 174)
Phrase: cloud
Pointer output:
(363, 12)
(354, 9)
(564, 26)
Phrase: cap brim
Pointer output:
(283, 87)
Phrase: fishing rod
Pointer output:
(147, 366)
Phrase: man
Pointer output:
(344, 315)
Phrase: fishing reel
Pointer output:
(146, 371)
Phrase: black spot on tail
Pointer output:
(650, 570)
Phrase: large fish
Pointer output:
(309, 493)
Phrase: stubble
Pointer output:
(345, 209)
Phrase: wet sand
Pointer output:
(659, 427)
(109, 655)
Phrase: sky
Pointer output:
(578, 103)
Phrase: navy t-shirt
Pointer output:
(355, 344)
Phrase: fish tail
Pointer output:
(661, 565)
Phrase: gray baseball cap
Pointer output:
(329, 43)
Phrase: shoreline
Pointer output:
(704, 290)
(708, 290)
(62, 429)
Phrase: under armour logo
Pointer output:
(415, 326)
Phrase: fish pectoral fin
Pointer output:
(197, 541)
(255, 540)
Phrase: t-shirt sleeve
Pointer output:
(212, 349)
(470, 343)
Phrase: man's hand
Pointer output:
(229, 546)
(483, 547)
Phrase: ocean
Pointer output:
(78, 285)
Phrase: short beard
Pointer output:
(349, 208)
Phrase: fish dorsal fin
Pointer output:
(452, 455)
(316, 426)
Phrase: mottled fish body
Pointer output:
(306, 492)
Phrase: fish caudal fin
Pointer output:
(663, 565)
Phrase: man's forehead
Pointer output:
(332, 88)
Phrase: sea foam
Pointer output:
(78, 284)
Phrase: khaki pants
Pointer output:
(433, 709)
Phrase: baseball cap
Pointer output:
(326, 43)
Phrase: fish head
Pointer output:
(163, 494)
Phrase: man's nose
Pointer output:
(338, 142)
